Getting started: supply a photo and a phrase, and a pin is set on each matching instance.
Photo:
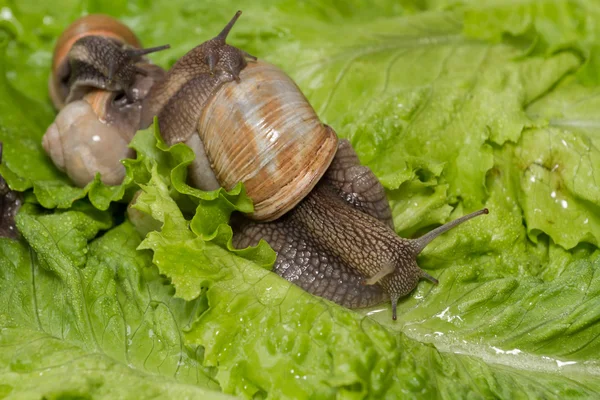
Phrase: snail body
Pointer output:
(100, 28)
(326, 215)
(98, 81)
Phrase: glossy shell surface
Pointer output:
(262, 131)
(82, 143)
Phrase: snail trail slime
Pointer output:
(325, 215)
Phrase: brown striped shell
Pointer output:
(263, 132)
(95, 24)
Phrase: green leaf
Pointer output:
(310, 347)
(558, 166)
(547, 26)
(209, 229)
(91, 319)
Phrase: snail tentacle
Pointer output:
(200, 73)
(98, 62)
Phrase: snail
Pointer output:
(325, 214)
(98, 81)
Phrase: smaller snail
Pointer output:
(98, 81)
(328, 217)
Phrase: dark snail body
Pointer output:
(179, 99)
(315, 241)
(95, 52)
(338, 242)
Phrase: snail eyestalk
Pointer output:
(223, 35)
(430, 278)
(248, 55)
(394, 299)
(132, 53)
(423, 241)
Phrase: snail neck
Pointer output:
(363, 242)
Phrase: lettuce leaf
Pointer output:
(454, 104)
(91, 319)
(309, 347)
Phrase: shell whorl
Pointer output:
(95, 24)
(82, 144)
(263, 132)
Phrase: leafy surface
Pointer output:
(91, 319)
(454, 105)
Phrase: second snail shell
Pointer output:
(81, 143)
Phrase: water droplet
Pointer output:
(563, 363)
(6, 13)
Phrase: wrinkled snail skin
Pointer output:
(330, 222)
(98, 62)
(320, 265)
(103, 27)
(98, 83)
(339, 243)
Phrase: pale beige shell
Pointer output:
(82, 143)
(263, 132)
(95, 24)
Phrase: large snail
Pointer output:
(325, 215)
(331, 222)
(98, 81)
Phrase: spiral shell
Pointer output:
(95, 24)
(82, 142)
(263, 132)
